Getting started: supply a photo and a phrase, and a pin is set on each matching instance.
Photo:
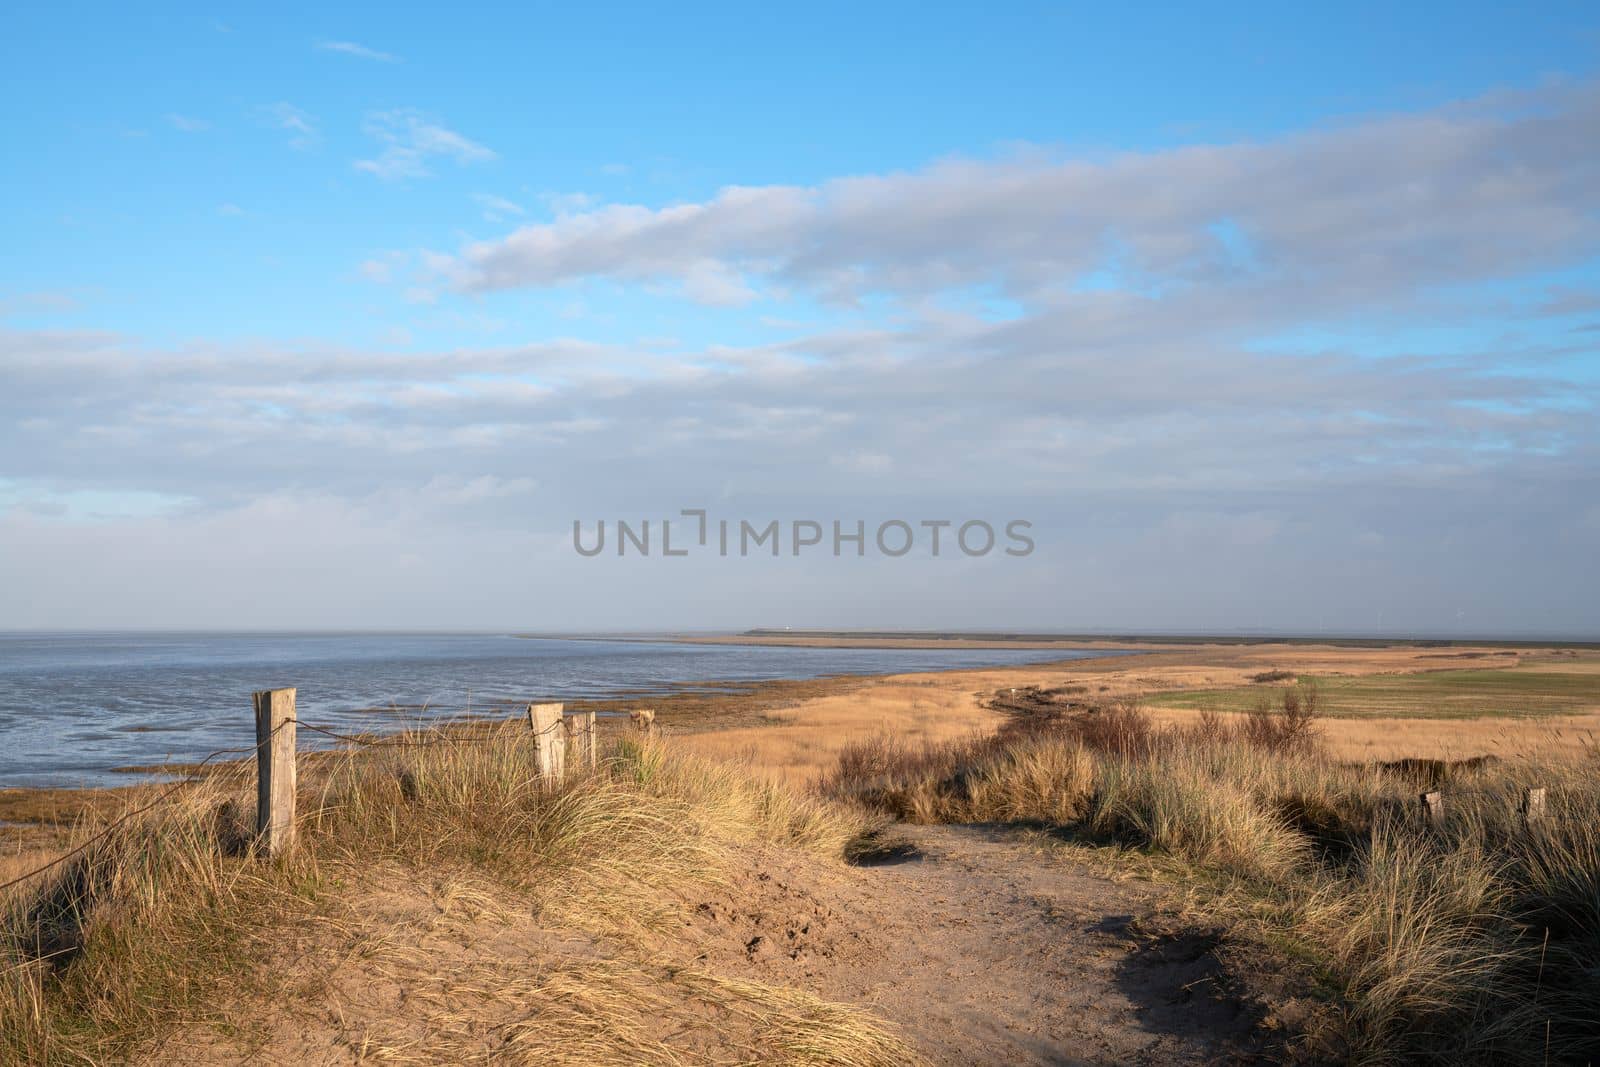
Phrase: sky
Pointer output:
(1260, 320)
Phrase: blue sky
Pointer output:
(160, 189)
(484, 248)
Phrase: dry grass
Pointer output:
(798, 743)
(1437, 947)
(1480, 943)
(802, 741)
(167, 935)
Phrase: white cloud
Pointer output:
(1377, 207)
(937, 406)
(562, 204)
(361, 51)
(382, 268)
(188, 124)
(865, 462)
(230, 210)
(498, 208)
(713, 284)
(410, 140)
(301, 126)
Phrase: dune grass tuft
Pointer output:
(1479, 942)
(168, 926)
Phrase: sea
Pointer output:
(81, 709)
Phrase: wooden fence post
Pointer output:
(1532, 805)
(581, 740)
(1433, 809)
(275, 741)
(549, 740)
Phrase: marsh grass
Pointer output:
(170, 923)
(1478, 943)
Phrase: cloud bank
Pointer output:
(1363, 213)
(1338, 380)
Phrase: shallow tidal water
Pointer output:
(75, 707)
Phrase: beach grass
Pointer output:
(1474, 942)
(1427, 946)
(168, 934)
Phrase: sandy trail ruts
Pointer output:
(987, 949)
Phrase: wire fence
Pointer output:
(124, 819)
(1535, 804)
(545, 718)
(262, 749)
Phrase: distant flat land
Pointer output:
(1387, 701)
(1515, 692)
(983, 639)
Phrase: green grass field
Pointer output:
(1469, 694)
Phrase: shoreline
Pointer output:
(1137, 642)
(742, 718)
(36, 821)
(695, 706)
(131, 721)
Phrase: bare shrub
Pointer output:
(1121, 728)
(1209, 728)
(1293, 729)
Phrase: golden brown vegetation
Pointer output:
(1478, 942)
(1475, 943)
(168, 930)
(1411, 713)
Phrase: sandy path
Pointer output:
(987, 949)
(982, 949)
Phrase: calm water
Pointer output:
(74, 707)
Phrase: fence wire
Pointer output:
(436, 736)
(192, 769)
(109, 830)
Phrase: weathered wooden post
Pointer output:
(581, 740)
(1433, 810)
(549, 741)
(275, 742)
(1532, 806)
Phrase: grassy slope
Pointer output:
(167, 945)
